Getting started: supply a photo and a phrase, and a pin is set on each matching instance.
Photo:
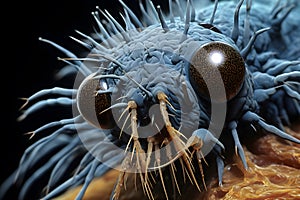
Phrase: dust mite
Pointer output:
(165, 93)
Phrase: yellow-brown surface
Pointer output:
(274, 173)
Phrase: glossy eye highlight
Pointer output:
(212, 60)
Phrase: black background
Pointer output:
(29, 65)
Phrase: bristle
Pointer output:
(236, 31)
(276, 6)
(193, 11)
(180, 12)
(187, 22)
(153, 10)
(276, 23)
(68, 53)
(106, 35)
(128, 23)
(91, 40)
(246, 50)
(187, 18)
(132, 15)
(211, 21)
(157, 158)
(171, 12)
(118, 25)
(246, 35)
(145, 15)
(115, 31)
(162, 20)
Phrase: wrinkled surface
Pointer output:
(274, 173)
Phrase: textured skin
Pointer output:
(137, 66)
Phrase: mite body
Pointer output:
(164, 94)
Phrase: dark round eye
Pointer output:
(90, 103)
(209, 62)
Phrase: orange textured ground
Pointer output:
(274, 173)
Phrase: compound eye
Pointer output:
(208, 63)
(91, 103)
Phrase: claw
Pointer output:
(252, 117)
(205, 136)
(220, 164)
(238, 147)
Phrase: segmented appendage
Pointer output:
(162, 94)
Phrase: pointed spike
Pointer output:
(129, 24)
(277, 22)
(127, 27)
(100, 26)
(276, 6)
(153, 10)
(162, 20)
(61, 101)
(235, 31)
(179, 10)
(246, 50)
(25, 104)
(53, 91)
(88, 179)
(247, 31)
(185, 170)
(281, 67)
(238, 147)
(62, 166)
(220, 167)
(199, 157)
(146, 16)
(85, 45)
(211, 21)
(187, 18)
(253, 117)
(83, 67)
(100, 36)
(172, 167)
(171, 12)
(67, 184)
(117, 105)
(118, 25)
(132, 15)
(193, 11)
(148, 158)
(277, 9)
(67, 52)
(107, 36)
(49, 165)
(112, 24)
(190, 170)
(157, 157)
(96, 44)
(277, 132)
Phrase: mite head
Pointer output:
(157, 104)
(103, 100)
